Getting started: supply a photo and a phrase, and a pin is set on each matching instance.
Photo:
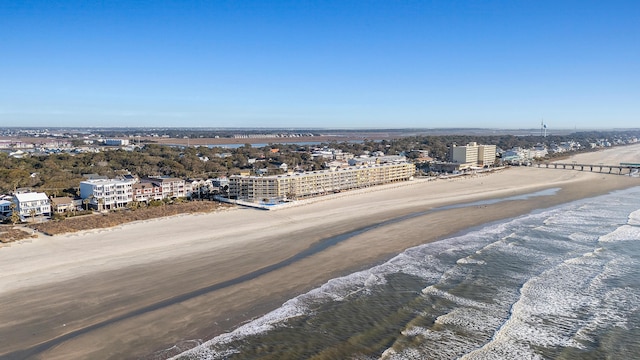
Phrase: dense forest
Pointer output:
(60, 174)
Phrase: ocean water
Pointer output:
(561, 283)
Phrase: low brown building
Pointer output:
(62, 204)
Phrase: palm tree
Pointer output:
(15, 217)
(32, 213)
(86, 201)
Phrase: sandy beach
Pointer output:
(135, 290)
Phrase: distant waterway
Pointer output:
(259, 145)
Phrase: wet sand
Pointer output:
(137, 289)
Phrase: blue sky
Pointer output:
(319, 64)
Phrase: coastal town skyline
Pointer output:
(329, 64)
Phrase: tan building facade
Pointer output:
(169, 187)
(464, 154)
(486, 155)
(472, 153)
(308, 184)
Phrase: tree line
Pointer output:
(60, 174)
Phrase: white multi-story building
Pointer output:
(378, 159)
(116, 142)
(32, 204)
(307, 184)
(107, 193)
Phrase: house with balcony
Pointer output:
(63, 204)
(5, 207)
(170, 187)
(32, 204)
(147, 191)
(106, 194)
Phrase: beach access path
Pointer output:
(133, 290)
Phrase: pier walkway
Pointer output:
(622, 169)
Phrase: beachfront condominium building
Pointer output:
(146, 192)
(486, 155)
(302, 185)
(32, 204)
(170, 187)
(464, 154)
(472, 153)
(105, 194)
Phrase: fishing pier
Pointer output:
(622, 169)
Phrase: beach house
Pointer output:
(32, 204)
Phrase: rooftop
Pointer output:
(31, 196)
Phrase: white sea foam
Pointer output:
(506, 349)
(582, 237)
(471, 320)
(589, 259)
(510, 236)
(470, 261)
(427, 267)
(634, 218)
(414, 331)
(443, 344)
(622, 233)
(547, 312)
(433, 291)
(373, 280)
(207, 350)
(566, 221)
(610, 307)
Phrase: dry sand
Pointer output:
(133, 290)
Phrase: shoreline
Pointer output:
(72, 282)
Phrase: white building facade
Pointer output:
(116, 142)
(32, 204)
(107, 193)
